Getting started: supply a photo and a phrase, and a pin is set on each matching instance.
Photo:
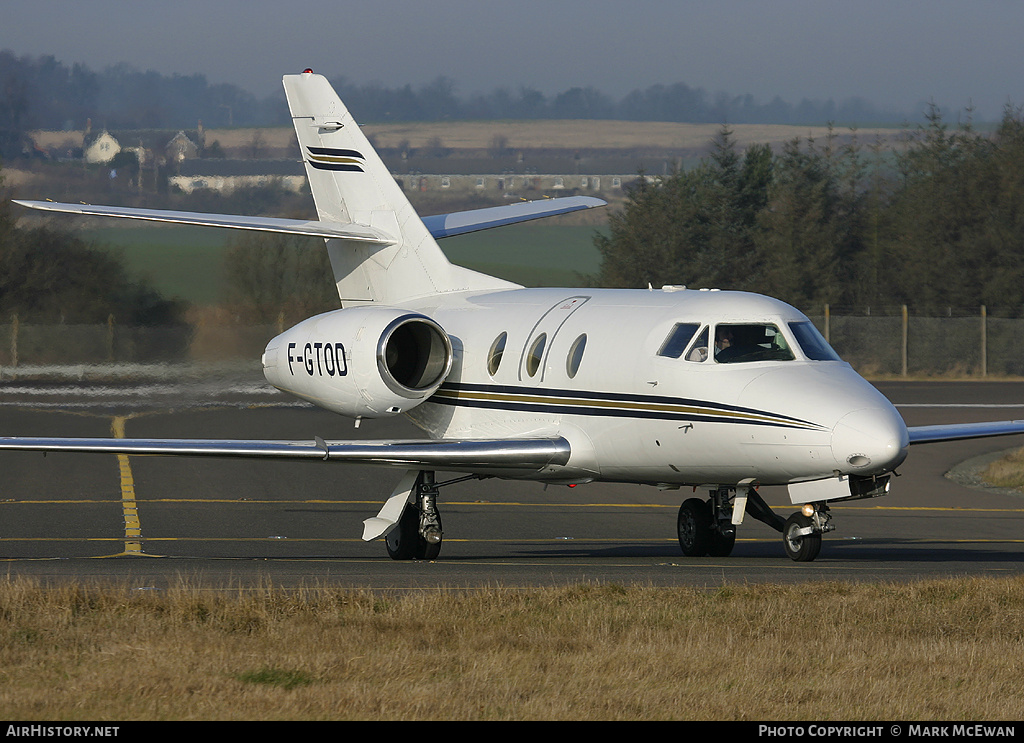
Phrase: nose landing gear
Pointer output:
(801, 536)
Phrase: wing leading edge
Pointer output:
(456, 455)
(960, 431)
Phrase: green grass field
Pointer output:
(187, 262)
(533, 255)
(179, 261)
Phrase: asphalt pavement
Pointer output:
(155, 521)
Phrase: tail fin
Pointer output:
(351, 185)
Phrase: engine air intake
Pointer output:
(414, 355)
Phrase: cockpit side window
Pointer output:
(811, 342)
(699, 348)
(675, 344)
(737, 343)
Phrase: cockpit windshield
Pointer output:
(811, 342)
(737, 343)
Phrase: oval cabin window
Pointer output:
(533, 359)
(495, 354)
(572, 363)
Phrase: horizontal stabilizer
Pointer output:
(440, 225)
(958, 431)
(446, 454)
(460, 223)
(359, 232)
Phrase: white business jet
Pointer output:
(723, 391)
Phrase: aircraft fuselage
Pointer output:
(633, 381)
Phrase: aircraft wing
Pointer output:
(441, 225)
(460, 223)
(470, 455)
(958, 431)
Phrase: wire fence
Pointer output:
(891, 343)
(40, 345)
(895, 342)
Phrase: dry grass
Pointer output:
(1007, 471)
(542, 134)
(942, 650)
(558, 134)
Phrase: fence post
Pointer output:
(828, 324)
(984, 340)
(14, 339)
(110, 337)
(904, 344)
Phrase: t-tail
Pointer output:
(351, 185)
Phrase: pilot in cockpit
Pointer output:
(725, 343)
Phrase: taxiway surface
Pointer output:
(154, 521)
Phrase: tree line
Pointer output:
(677, 102)
(934, 221)
(45, 93)
(48, 276)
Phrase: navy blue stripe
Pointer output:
(334, 151)
(336, 166)
(606, 412)
(613, 397)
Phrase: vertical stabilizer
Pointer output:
(350, 184)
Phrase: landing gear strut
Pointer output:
(418, 534)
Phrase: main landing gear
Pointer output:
(708, 527)
(418, 533)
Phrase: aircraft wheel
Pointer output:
(721, 544)
(800, 548)
(401, 541)
(694, 527)
(404, 541)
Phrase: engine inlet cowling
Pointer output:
(414, 354)
(362, 361)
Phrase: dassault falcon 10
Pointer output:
(718, 390)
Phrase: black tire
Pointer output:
(401, 541)
(693, 526)
(404, 541)
(800, 548)
(721, 544)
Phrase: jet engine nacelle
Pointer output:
(362, 362)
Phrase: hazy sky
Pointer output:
(894, 53)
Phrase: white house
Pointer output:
(103, 149)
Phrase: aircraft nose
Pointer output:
(870, 441)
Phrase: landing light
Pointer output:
(807, 510)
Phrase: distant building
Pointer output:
(181, 148)
(227, 175)
(102, 149)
